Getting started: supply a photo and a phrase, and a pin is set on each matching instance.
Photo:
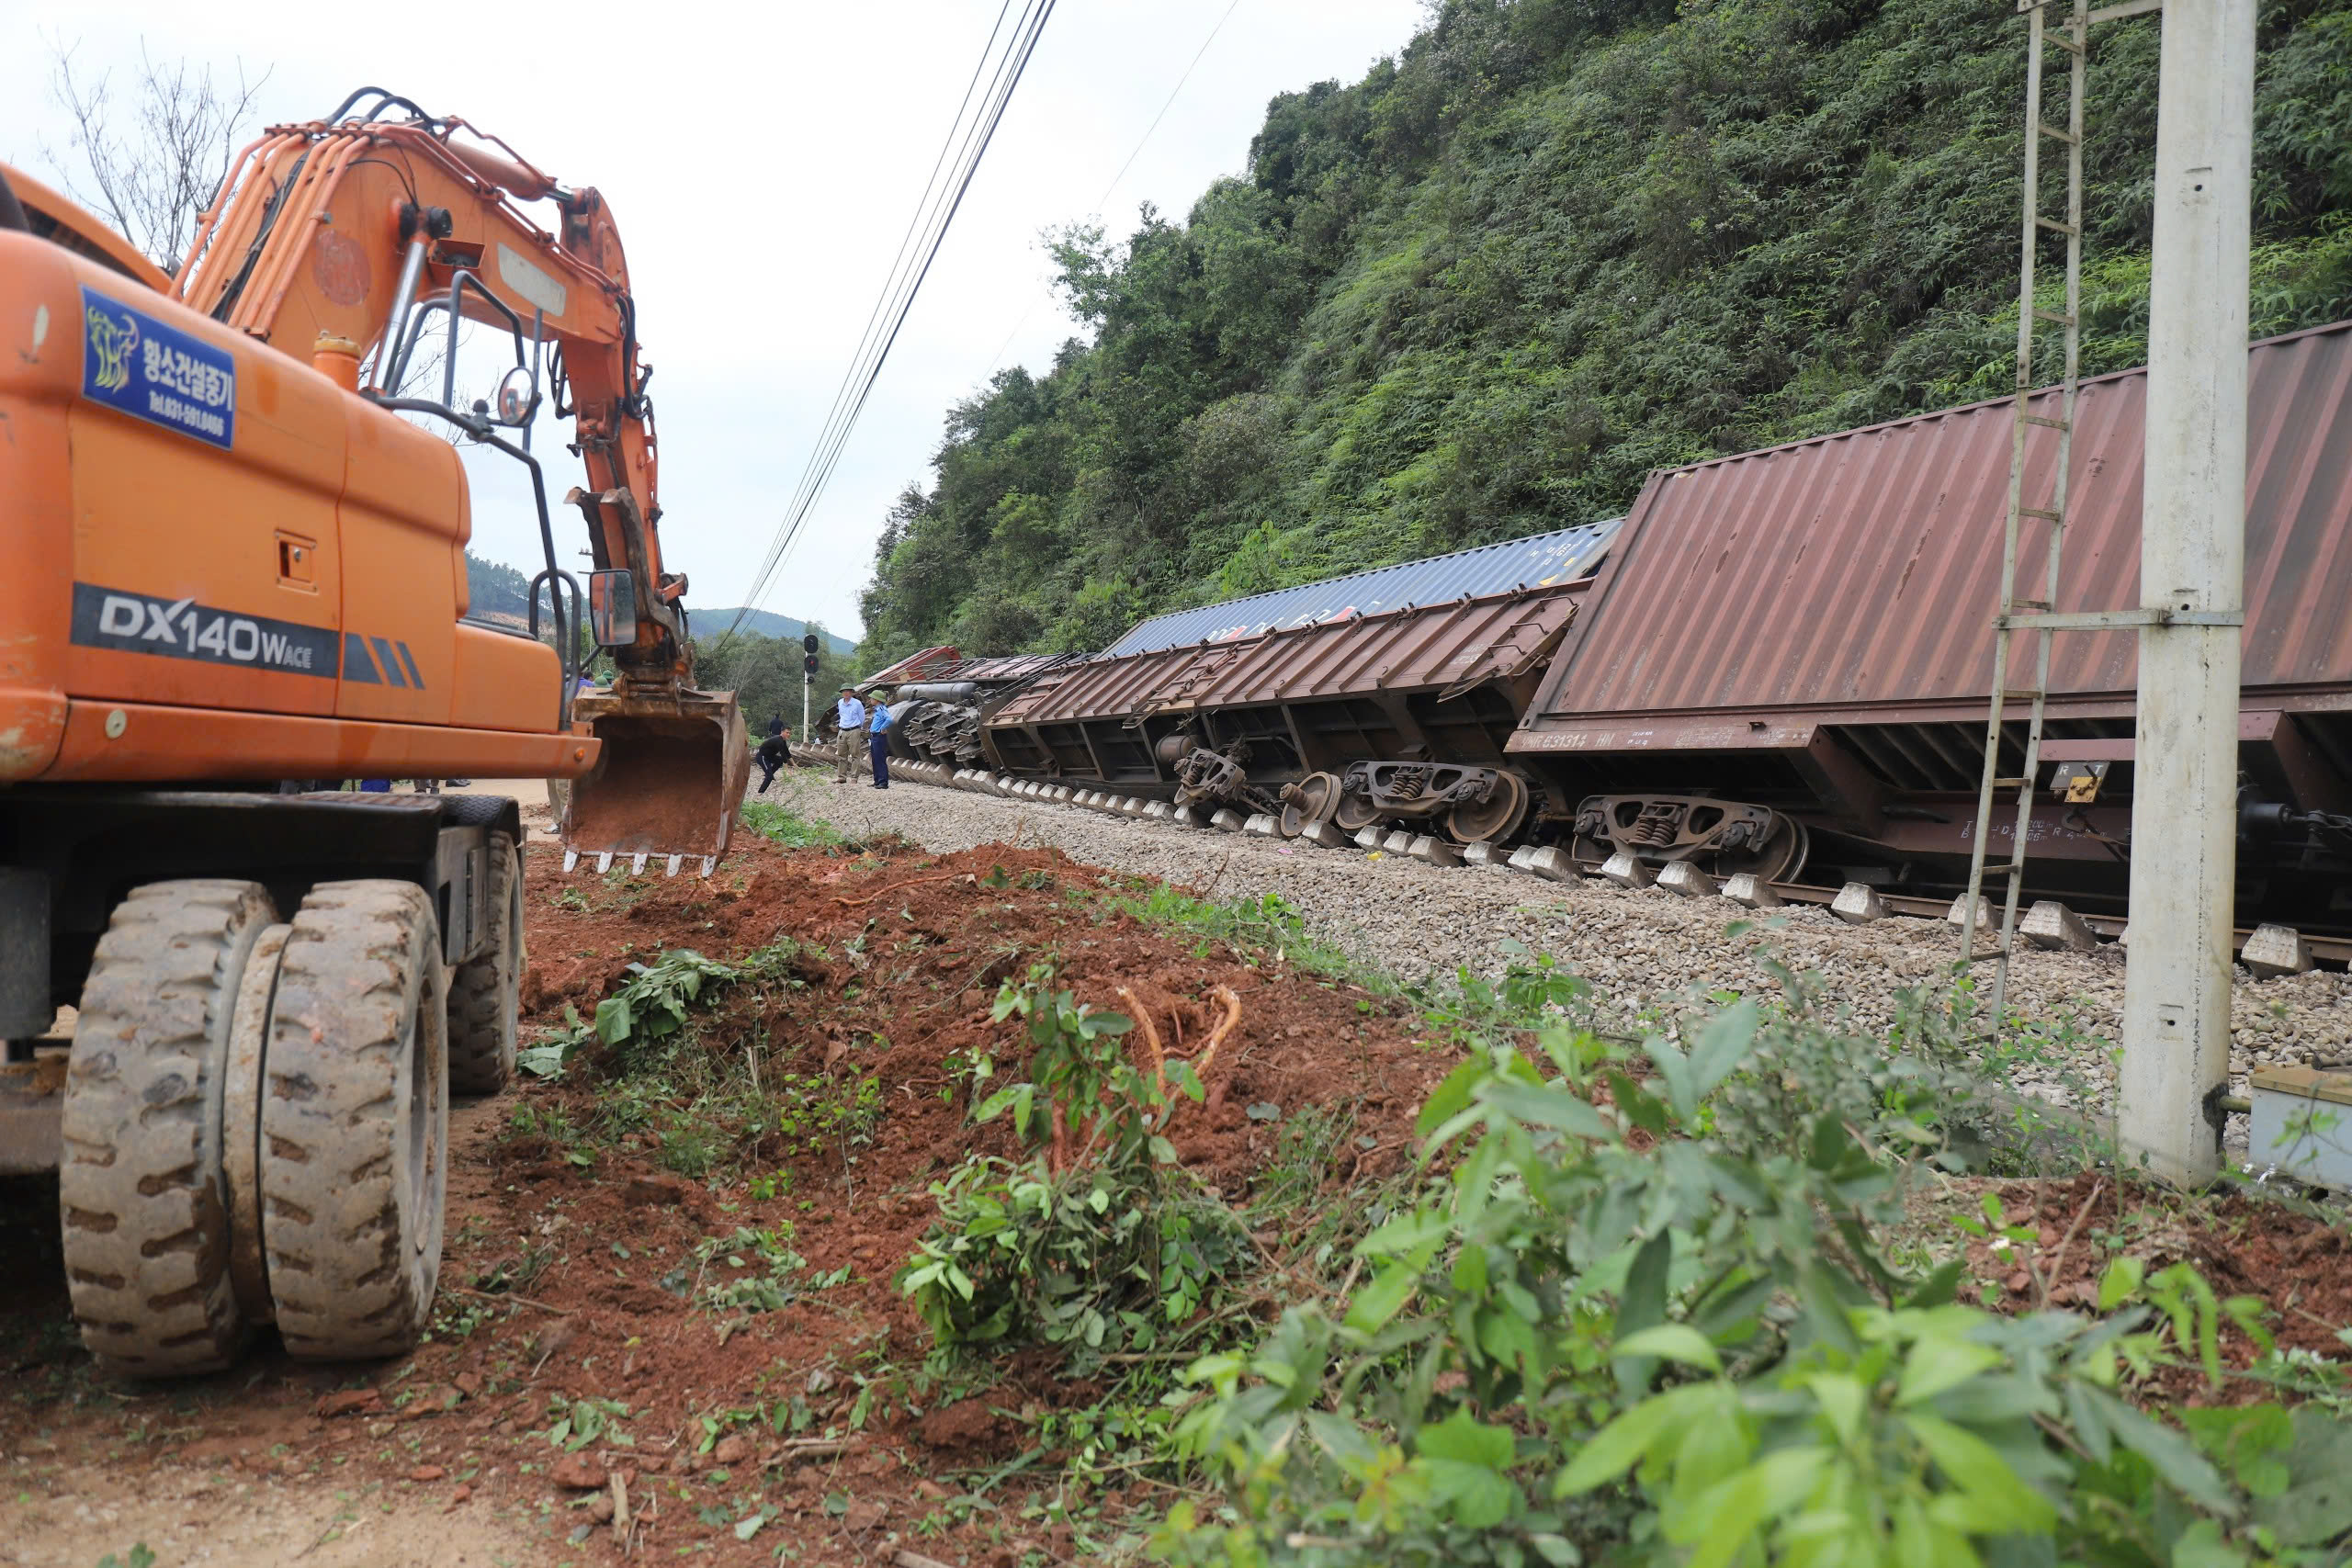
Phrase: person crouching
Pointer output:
(775, 752)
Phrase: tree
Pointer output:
(153, 177)
(765, 674)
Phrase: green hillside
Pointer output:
(1550, 246)
(500, 590)
(496, 589)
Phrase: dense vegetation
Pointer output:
(1552, 245)
(1657, 1301)
(765, 674)
(496, 589)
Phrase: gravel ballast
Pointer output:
(1647, 952)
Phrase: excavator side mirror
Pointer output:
(518, 397)
(612, 608)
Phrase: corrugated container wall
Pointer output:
(1845, 577)
(1495, 638)
(1541, 560)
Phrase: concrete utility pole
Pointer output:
(2192, 569)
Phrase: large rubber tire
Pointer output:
(483, 991)
(144, 1202)
(354, 1123)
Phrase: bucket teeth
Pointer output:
(672, 864)
(666, 788)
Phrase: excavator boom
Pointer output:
(360, 239)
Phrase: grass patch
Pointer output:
(1262, 929)
(787, 827)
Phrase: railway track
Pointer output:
(2276, 949)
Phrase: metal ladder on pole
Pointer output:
(2036, 618)
(2074, 37)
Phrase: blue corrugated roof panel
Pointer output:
(1539, 560)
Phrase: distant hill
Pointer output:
(500, 590)
(767, 623)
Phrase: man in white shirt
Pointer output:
(849, 751)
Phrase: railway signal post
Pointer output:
(808, 674)
(2184, 830)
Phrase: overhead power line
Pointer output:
(1166, 104)
(967, 142)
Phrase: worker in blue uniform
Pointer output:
(878, 743)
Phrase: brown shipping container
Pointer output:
(1843, 587)
(1439, 679)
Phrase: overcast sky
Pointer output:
(762, 161)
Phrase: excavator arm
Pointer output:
(355, 243)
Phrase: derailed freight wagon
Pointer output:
(938, 697)
(1785, 664)
(1383, 695)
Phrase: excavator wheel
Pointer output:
(145, 1203)
(354, 1121)
(482, 991)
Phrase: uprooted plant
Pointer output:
(1643, 1310)
(1096, 1239)
(648, 1008)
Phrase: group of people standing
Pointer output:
(864, 727)
(861, 729)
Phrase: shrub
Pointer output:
(1096, 1240)
(1633, 1315)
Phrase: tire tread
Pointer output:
(140, 1192)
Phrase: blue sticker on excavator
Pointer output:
(154, 371)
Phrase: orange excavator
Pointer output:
(235, 528)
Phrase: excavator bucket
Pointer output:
(667, 786)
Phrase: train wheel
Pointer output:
(145, 1200)
(1319, 796)
(1781, 859)
(1493, 820)
(354, 1127)
(1353, 813)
